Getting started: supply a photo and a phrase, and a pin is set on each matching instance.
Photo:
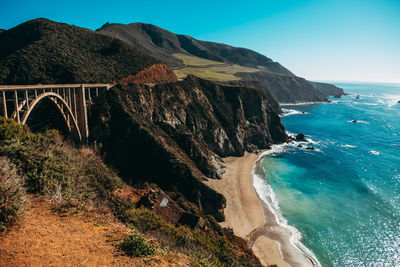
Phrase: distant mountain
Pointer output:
(163, 44)
(44, 51)
(218, 62)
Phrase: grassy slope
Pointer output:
(209, 69)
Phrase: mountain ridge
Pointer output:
(167, 46)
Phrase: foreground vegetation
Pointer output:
(44, 164)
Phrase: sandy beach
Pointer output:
(244, 212)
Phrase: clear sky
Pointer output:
(342, 40)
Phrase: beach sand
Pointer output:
(244, 211)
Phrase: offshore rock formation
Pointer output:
(286, 89)
(174, 134)
(43, 51)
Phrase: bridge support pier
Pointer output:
(82, 114)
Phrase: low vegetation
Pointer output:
(12, 193)
(44, 164)
(135, 245)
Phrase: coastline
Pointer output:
(250, 217)
(244, 212)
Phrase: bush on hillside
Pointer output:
(11, 193)
(49, 166)
(135, 245)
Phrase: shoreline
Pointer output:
(244, 212)
(250, 217)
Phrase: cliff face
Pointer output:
(327, 89)
(43, 51)
(174, 134)
(286, 89)
(157, 73)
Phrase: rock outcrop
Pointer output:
(174, 134)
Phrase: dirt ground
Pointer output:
(44, 237)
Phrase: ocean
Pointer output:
(341, 201)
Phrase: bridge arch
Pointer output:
(62, 106)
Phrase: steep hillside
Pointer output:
(72, 210)
(43, 51)
(216, 62)
(174, 134)
(163, 44)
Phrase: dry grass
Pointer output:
(208, 69)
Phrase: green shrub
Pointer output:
(10, 129)
(56, 169)
(135, 245)
(12, 193)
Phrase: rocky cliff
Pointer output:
(327, 89)
(43, 51)
(174, 134)
(286, 89)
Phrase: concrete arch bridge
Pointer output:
(72, 100)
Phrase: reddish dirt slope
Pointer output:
(157, 73)
(44, 238)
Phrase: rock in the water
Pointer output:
(358, 97)
(354, 121)
(310, 148)
(300, 137)
(398, 102)
(299, 146)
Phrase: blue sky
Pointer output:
(338, 40)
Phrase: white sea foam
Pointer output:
(287, 112)
(301, 103)
(267, 195)
(346, 145)
(358, 121)
(389, 99)
(374, 152)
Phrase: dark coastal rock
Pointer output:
(191, 220)
(358, 97)
(299, 146)
(310, 148)
(354, 121)
(398, 102)
(175, 133)
(301, 137)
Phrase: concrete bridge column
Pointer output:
(82, 116)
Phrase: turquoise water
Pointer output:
(344, 197)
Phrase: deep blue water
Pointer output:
(344, 197)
